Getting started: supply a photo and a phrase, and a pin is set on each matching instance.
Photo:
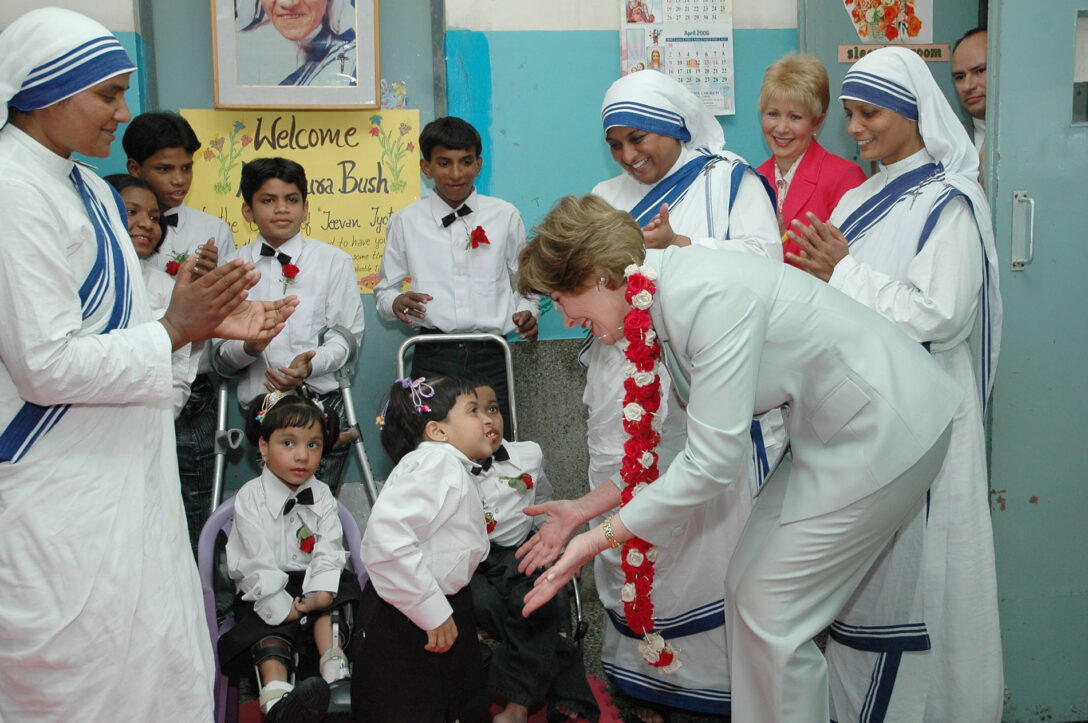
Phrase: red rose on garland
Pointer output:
(637, 284)
(635, 325)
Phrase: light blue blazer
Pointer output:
(746, 335)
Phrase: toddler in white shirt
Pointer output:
(287, 558)
(419, 656)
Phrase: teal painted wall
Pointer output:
(535, 97)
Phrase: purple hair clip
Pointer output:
(420, 391)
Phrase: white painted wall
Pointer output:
(117, 15)
(593, 14)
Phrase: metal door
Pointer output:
(1037, 171)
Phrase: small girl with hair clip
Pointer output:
(424, 539)
(286, 556)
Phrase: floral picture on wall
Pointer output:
(892, 21)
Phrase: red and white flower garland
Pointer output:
(641, 401)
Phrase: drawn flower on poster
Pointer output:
(394, 149)
(884, 21)
(227, 151)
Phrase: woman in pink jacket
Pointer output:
(792, 105)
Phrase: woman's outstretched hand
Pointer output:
(563, 518)
(580, 551)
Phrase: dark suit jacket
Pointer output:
(819, 183)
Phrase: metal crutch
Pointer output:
(343, 378)
(224, 438)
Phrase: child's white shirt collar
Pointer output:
(440, 209)
(292, 246)
(276, 493)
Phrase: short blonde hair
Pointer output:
(580, 241)
(798, 78)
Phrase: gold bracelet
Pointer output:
(608, 535)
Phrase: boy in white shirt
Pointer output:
(320, 275)
(160, 148)
(460, 249)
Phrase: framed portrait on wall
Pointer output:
(295, 53)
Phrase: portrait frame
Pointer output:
(301, 63)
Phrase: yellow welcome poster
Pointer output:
(362, 167)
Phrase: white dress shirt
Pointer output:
(186, 360)
(979, 136)
(503, 496)
(193, 230)
(264, 544)
(328, 294)
(473, 288)
(101, 612)
(426, 533)
(782, 181)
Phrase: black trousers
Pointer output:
(395, 679)
(194, 430)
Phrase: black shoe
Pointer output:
(307, 703)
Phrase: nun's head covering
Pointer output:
(51, 54)
(897, 79)
(654, 102)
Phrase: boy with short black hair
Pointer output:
(160, 148)
(461, 249)
(320, 275)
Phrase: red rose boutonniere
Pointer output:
(490, 522)
(522, 483)
(290, 271)
(175, 263)
(306, 538)
(477, 237)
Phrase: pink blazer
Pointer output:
(819, 183)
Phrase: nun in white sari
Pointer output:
(101, 616)
(671, 149)
(920, 639)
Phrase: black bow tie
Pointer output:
(283, 258)
(453, 215)
(305, 497)
(501, 455)
(166, 222)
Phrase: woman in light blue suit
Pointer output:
(869, 422)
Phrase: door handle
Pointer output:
(1023, 230)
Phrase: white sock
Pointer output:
(273, 692)
(334, 665)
